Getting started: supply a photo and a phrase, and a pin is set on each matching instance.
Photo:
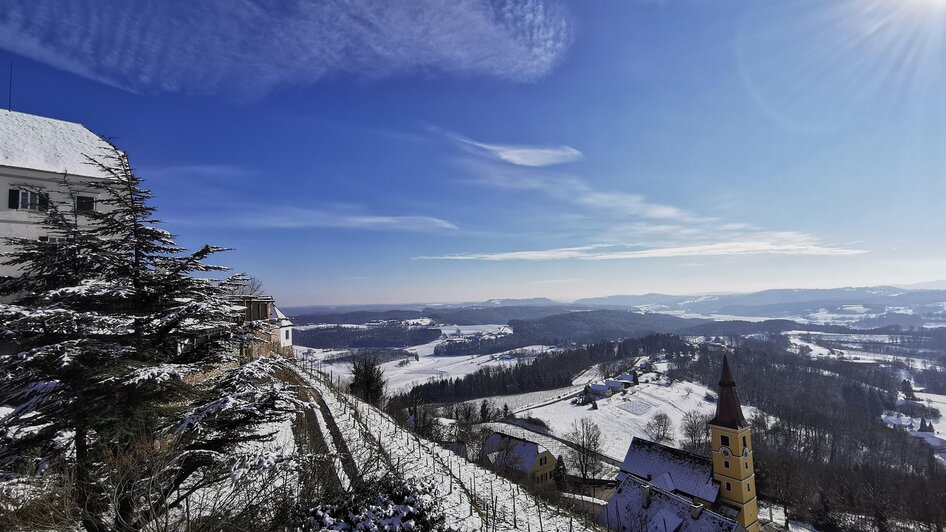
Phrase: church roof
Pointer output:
(728, 408)
(672, 469)
(640, 505)
(49, 145)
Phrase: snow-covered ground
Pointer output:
(624, 416)
(473, 498)
(402, 376)
(850, 354)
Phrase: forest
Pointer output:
(390, 335)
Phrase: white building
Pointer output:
(37, 156)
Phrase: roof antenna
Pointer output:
(10, 89)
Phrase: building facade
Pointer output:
(43, 160)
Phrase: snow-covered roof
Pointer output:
(49, 145)
(522, 454)
(626, 377)
(671, 469)
(277, 314)
(598, 387)
(930, 438)
(639, 505)
(611, 383)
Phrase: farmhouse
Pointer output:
(518, 455)
(596, 390)
(616, 385)
(663, 488)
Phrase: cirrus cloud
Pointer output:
(247, 48)
(778, 243)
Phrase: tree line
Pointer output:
(391, 335)
(544, 373)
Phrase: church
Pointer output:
(664, 489)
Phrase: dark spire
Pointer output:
(728, 409)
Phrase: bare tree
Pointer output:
(660, 428)
(248, 286)
(695, 428)
(508, 458)
(586, 436)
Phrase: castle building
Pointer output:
(40, 159)
(661, 488)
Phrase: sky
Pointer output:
(364, 151)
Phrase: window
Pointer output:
(287, 334)
(728, 486)
(749, 486)
(747, 465)
(85, 204)
(744, 444)
(542, 460)
(724, 440)
(28, 200)
(726, 464)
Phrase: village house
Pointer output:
(668, 489)
(520, 456)
(595, 391)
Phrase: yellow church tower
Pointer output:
(732, 454)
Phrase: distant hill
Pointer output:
(861, 306)
(599, 325)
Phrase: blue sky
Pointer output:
(379, 152)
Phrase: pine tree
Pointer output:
(124, 372)
(560, 473)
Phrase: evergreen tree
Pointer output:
(367, 380)
(560, 473)
(123, 374)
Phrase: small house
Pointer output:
(596, 390)
(519, 456)
(616, 385)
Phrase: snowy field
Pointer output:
(622, 417)
(401, 377)
(850, 354)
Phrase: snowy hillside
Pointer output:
(473, 498)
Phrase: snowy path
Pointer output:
(473, 498)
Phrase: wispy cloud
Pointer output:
(533, 156)
(576, 191)
(209, 172)
(780, 243)
(330, 217)
(247, 48)
(296, 218)
(556, 281)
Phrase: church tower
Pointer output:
(733, 467)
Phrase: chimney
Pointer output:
(645, 495)
(695, 510)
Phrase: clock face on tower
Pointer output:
(725, 451)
